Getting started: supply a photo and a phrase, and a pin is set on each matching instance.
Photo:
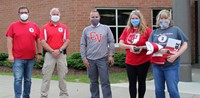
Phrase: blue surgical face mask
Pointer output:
(164, 23)
(135, 22)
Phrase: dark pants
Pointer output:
(137, 74)
(99, 69)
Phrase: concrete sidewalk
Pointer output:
(81, 90)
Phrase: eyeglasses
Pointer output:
(23, 12)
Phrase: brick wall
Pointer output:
(74, 13)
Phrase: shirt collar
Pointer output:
(51, 24)
(96, 26)
(23, 22)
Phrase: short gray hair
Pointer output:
(54, 9)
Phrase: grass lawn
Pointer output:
(115, 77)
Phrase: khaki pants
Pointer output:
(48, 68)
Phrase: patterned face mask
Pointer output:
(164, 23)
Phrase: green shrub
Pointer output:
(1, 63)
(5, 63)
(3, 56)
(120, 59)
(75, 61)
(38, 65)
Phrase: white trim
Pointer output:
(116, 29)
(45, 34)
(64, 36)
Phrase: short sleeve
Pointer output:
(9, 32)
(148, 31)
(181, 35)
(151, 36)
(123, 35)
(67, 33)
(42, 33)
(37, 31)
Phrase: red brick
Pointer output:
(74, 13)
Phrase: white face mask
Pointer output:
(24, 16)
(55, 18)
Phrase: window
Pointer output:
(116, 19)
(154, 14)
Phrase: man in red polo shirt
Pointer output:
(54, 39)
(22, 39)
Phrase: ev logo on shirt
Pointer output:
(60, 29)
(162, 38)
(133, 38)
(95, 36)
(31, 30)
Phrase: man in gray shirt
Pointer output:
(96, 55)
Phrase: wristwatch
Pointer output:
(60, 50)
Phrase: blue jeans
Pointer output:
(168, 74)
(99, 68)
(22, 69)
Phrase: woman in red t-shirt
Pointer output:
(133, 39)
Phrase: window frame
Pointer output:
(116, 26)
